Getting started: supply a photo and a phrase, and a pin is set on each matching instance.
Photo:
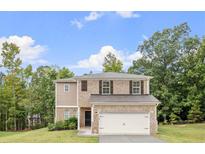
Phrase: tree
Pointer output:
(112, 64)
(65, 73)
(195, 114)
(26, 96)
(170, 56)
(12, 63)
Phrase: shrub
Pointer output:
(72, 125)
(73, 119)
(37, 126)
(66, 124)
(51, 127)
(59, 125)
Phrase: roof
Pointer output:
(113, 75)
(123, 99)
(106, 76)
(65, 80)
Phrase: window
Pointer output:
(66, 87)
(136, 87)
(83, 85)
(66, 115)
(106, 87)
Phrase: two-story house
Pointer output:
(108, 103)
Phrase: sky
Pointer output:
(80, 40)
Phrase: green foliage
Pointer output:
(71, 123)
(59, 125)
(174, 118)
(73, 120)
(27, 97)
(195, 114)
(51, 127)
(9, 57)
(37, 126)
(177, 63)
(65, 73)
(112, 64)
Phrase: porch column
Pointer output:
(148, 91)
(78, 118)
(92, 114)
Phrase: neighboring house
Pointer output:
(108, 103)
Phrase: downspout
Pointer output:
(78, 106)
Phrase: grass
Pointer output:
(186, 133)
(45, 136)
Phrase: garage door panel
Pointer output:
(124, 123)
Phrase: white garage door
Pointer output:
(124, 123)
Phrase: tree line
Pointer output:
(175, 59)
(26, 96)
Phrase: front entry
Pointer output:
(87, 118)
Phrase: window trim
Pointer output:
(65, 88)
(68, 115)
(136, 87)
(106, 87)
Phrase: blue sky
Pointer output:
(79, 40)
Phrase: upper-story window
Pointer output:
(136, 87)
(105, 87)
(66, 87)
(84, 85)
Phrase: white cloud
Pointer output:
(127, 14)
(77, 23)
(93, 16)
(30, 52)
(95, 61)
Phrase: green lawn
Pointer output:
(45, 136)
(185, 133)
(169, 133)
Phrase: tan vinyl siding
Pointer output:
(121, 87)
(60, 113)
(66, 98)
(92, 88)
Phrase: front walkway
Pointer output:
(128, 139)
(86, 131)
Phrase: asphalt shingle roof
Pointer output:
(112, 75)
(106, 76)
(120, 99)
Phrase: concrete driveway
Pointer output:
(128, 139)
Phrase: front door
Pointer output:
(87, 118)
